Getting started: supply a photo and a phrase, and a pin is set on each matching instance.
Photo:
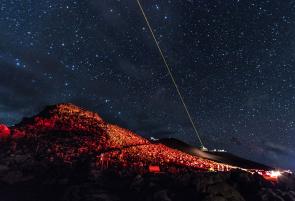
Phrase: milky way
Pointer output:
(233, 61)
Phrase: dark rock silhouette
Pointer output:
(222, 157)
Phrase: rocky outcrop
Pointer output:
(70, 154)
(28, 178)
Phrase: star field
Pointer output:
(233, 61)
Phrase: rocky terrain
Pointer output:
(66, 153)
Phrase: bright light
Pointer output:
(275, 173)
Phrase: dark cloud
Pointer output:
(277, 150)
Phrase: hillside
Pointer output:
(65, 132)
(66, 153)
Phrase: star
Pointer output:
(233, 63)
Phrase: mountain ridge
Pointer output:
(65, 131)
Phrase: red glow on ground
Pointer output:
(65, 132)
(4, 131)
(154, 169)
(17, 134)
(271, 175)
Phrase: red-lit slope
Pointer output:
(66, 132)
(71, 121)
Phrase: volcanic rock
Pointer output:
(67, 153)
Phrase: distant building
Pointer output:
(154, 139)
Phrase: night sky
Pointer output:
(233, 61)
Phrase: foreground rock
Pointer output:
(69, 154)
(38, 180)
